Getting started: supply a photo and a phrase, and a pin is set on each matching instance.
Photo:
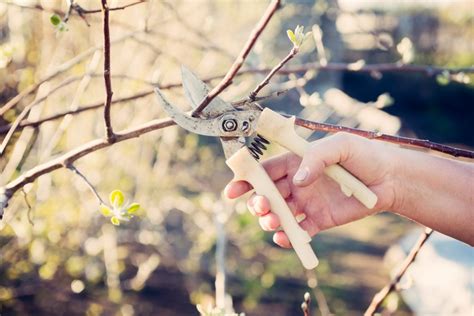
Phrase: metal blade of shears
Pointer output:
(196, 90)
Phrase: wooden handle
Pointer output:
(245, 167)
(281, 130)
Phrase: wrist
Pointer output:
(399, 182)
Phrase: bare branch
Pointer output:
(265, 81)
(27, 110)
(109, 132)
(89, 185)
(25, 123)
(321, 300)
(28, 214)
(84, 11)
(69, 157)
(74, 7)
(387, 67)
(274, 5)
(306, 305)
(423, 143)
(382, 294)
(59, 70)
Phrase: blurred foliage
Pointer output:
(71, 260)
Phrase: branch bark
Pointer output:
(413, 142)
(227, 80)
(382, 294)
(59, 70)
(272, 72)
(109, 132)
(69, 157)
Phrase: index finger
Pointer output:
(276, 168)
(237, 188)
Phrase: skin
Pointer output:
(434, 191)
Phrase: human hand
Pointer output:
(306, 189)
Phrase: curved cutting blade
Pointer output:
(195, 125)
(196, 90)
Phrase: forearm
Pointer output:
(436, 192)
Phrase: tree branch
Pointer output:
(84, 11)
(227, 80)
(27, 110)
(69, 157)
(89, 185)
(423, 143)
(109, 132)
(10, 188)
(80, 10)
(59, 70)
(272, 72)
(382, 294)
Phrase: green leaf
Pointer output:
(105, 210)
(55, 19)
(116, 198)
(133, 208)
(115, 220)
(291, 36)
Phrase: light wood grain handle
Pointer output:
(246, 168)
(281, 130)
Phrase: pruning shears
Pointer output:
(222, 119)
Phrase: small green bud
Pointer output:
(116, 198)
(105, 210)
(297, 37)
(133, 208)
(55, 19)
(115, 220)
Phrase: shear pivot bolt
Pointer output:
(229, 125)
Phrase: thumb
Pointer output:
(321, 154)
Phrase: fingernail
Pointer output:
(226, 190)
(257, 208)
(301, 175)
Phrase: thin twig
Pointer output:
(75, 7)
(265, 81)
(7, 191)
(318, 293)
(427, 70)
(84, 11)
(382, 294)
(89, 185)
(318, 40)
(306, 305)
(257, 99)
(69, 11)
(385, 67)
(25, 123)
(109, 132)
(27, 110)
(59, 70)
(227, 80)
(28, 214)
(396, 68)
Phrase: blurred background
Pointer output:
(60, 256)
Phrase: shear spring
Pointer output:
(257, 146)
